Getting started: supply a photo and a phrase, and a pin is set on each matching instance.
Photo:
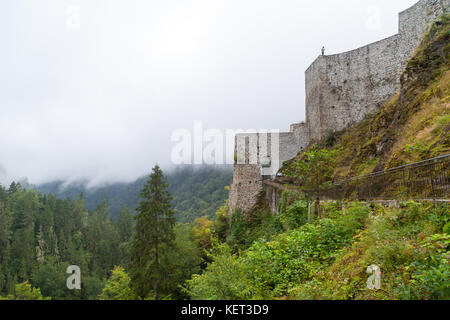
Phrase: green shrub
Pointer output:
(244, 231)
(315, 169)
(446, 228)
(224, 279)
(295, 215)
(429, 275)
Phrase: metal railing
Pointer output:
(428, 179)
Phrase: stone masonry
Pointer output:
(259, 156)
(341, 90)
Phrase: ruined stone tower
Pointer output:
(341, 90)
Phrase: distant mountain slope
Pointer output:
(197, 192)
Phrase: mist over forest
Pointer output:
(198, 191)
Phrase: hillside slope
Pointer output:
(328, 258)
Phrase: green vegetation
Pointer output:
(328, 258)
(244, 230)
(270, 268)
(118, 286)
(316, 168)
(198, 192)
(406, 243)
(24, 291)
(295, 215)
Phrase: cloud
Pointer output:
(3, 177)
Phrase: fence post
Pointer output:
(317, 208)
(405, 186)
(309, 210)
(432, 185)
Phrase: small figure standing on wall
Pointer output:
(323, 51)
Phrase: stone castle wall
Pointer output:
(253, 148)
(247, 184)
(341, 90)
(259, 156)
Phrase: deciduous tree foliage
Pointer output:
(118, 286)
(315, 169)
(24, 291)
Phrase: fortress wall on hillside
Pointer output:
(341, 90)
(274, 147)
(414, 22)
(247, 184)
(301, 133)
(259, 156)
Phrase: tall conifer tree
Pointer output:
(154, 228)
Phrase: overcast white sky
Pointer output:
(101, 102)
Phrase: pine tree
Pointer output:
(154, 228)
(125, 225)
(13, 188)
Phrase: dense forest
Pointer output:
(41, 236)
(197, 192)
